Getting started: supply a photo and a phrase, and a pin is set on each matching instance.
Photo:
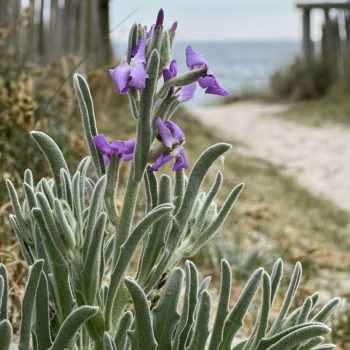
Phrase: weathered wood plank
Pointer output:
(307, 43)
(324, 5)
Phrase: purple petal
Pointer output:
(104, 147)
(150, 32)
(216, 89)
(164, 133)
(105, 159)
(160, 18)
(166, 74)
(134, 50)
(171, 72)
(162, 159)
(206, 81)
(186, 93)
(120, 77)
(129, 146)
(102, 144)
(118, 147)
(140, 54)
(193, 58)
(181, 159)
(128, 157)
(126, 148)
(176, 132)
(138, 76)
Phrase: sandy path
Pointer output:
(318, 157)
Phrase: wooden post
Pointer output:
(41, 35)
(327, 36)
(307, 44)
(103, 21)
(336, 47)
(347, 27)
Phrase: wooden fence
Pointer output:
(50, 29)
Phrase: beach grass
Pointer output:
(333, 109)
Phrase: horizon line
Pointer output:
(181, 40)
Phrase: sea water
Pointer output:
(240, 66)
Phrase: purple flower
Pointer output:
(135, 70)
(117, 148)
(149, 33)
(209, 82)
(186, 92)
(171, 72)
(172, 137)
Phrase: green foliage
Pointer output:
(80, 249)
(290, 81)
(166, 326)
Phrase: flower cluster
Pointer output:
(172, 138)
(132, 74)
(124, 149)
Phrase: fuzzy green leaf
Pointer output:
(53, 155)
(327, 310)
(4, 293)
(143, 323)
(144, 127)
(58, 266)
(95, 206)
(165, 315)
(23, 229)
(42, 320)
(188, 310)
(216, 224)
(235, 319)
(70, 326)
(126, 253)
(89, 123)
(91, 270)
(292, 288)
(223, 306)
(201, 329)
(299, 336)
(5, 335)
(121, 336)
(108, 342)
(28, 304)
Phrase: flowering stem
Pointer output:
(127, 214)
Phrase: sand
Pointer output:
(319, 158)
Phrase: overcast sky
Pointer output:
(217, 19)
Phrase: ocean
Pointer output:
(240, 66)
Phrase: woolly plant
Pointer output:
(79, 246)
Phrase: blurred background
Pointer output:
(287, 68)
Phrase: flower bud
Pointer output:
(160, 18)
(165, 52)
(156, 40)
(211, 215)
(196, 208)
(132, 41)
(65, 222)
(172, 32)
